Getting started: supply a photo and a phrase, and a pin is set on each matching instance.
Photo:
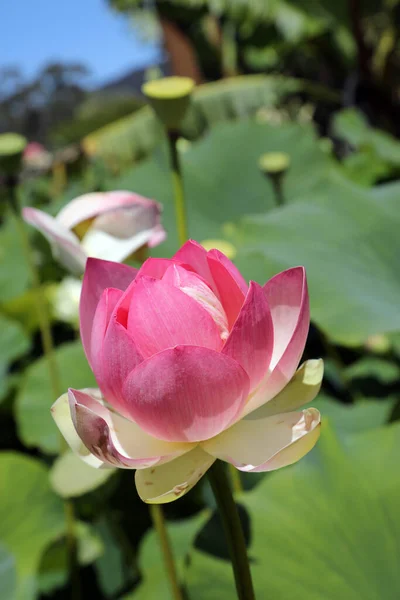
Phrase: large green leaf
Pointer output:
(31, 517)
(222, 178)
(32, 407)
(113, 568)
(8, 574)
(155, 583)
(14, 273)
(365, 414)
(352, 126)
(53, 571)
(13, 343)
(327, 527)
(350, 246)
(384, 371)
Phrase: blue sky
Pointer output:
(34, 32)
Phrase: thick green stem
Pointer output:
(157, 517)
(277, 184)
(236, 480)
(233, 530)
(177, 180)
(48, 350)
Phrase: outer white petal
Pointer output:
(99, 244)
(61, 414)
(65, 245)
(301, 389)
(268, 443)
(168, 482)
(103, 438)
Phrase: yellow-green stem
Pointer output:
(48, 350)
(157, 517)
(236, 480)
(177, 180)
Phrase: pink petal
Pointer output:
(194, 255)
(287, 297)
(186, 393)
(251, 340)
(65, 244)
(99, 275)
(161, 316)
(115, 440)
(104, 310)
(119, 356)
(158, 236)
(196, 287)
(91, 205)
(228, 289)
(268, 443)
(229, 266)
(155, 267)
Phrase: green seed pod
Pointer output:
(274, 163)
(12, 146)
(170, 99)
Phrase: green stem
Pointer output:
(278, 190)
(177, 180)
(229, 50)
(233, 530)
(48, 349)
(157, 517)
(236, 480)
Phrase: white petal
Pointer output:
(103, 438)
(65, 245)
(257, 445)
(99, 244)
(61, 414)
(168, 482)
(301, 389)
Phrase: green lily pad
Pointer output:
(155, 583)
(53, 572)
(327, 527)
(348, 242)
(365, 414)
(36, 427)
(112, 567)
(14, 272)
(222, 178)
(8, 574)
(384, 371)
(351, 125)
(26, 533)
(13, 343)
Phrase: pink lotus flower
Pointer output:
(192, 365)
(110, 225)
